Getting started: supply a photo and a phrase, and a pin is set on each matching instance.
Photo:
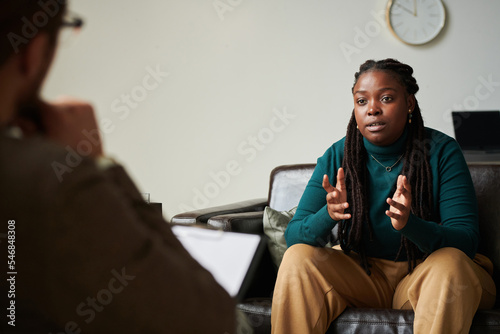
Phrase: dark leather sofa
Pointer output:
(286, 186)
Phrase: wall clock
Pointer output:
(415, 22)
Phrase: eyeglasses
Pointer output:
(68, 36)
(72, 21)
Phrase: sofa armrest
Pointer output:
(203, 215)
(246, 222)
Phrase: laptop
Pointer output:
(478, 134)
(232, 258)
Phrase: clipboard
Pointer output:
(232, 258)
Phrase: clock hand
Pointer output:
(414, 7)
(403, 7)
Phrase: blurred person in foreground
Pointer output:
(82, 251)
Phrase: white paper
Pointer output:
(227, 255)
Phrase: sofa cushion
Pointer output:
(275, 223)
(364, 320)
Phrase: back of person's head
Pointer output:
(23, 20)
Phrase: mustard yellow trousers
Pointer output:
(315, 285)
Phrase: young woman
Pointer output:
(406, 212)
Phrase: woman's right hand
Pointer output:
(336, 197)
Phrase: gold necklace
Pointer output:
(387, 168)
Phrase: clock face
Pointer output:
(415, 21)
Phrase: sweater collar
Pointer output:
(395, 148)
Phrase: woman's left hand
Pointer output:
(400, 203)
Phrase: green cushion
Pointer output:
(275, 223)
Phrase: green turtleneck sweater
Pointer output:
(455, 207)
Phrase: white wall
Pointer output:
(230, 74)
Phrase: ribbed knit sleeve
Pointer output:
(311, 223)
(455, 202)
